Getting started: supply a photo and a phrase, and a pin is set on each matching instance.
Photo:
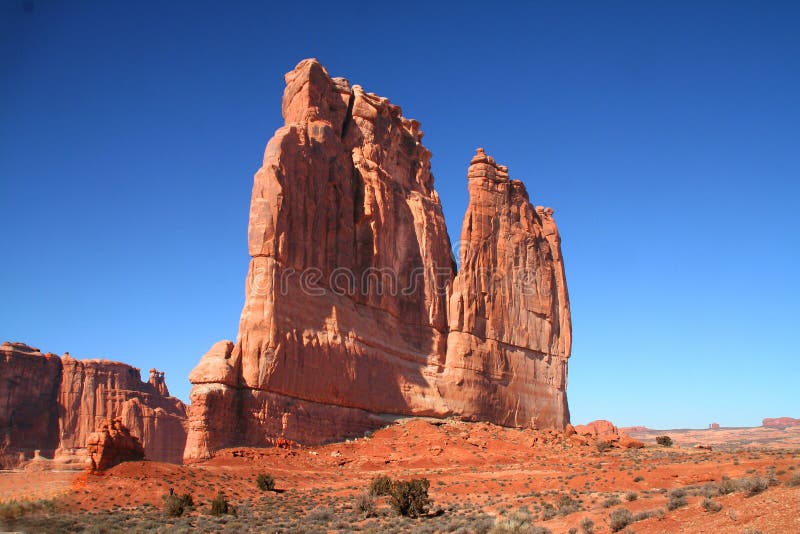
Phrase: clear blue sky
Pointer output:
(666, 136)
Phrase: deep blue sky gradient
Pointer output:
(666, 136)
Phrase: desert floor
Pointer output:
(482, 477)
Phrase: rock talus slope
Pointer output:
(354, 311)
(53, 404)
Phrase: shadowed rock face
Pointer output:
(113, 444)
(353, 308)
(53, 404)
(29, 384)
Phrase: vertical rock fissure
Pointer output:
(348, 116)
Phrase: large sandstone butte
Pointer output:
(53, 404)
(355, 312)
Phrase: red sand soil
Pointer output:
(34, 485)
(486, 465)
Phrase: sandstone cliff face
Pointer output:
(28, 410)
(348, 314)
(510, 329)
(54, 404)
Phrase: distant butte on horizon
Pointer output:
(346, 191)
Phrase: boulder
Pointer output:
(113, 444)
(602, 430)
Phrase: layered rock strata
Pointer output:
(53, 404)
(354, 312)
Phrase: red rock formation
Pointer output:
(29, 383)
(598, 429)
(158, 382)
(602, 430)
(779, 422)
(510, 329)
(348, 312)
(95, 390)
(113, 444)
(54, 404)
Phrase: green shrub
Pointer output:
(664, 441)
(177, 505)
(587, 526)
(677, 499)
(219, 505)
(515, 522)
(726, 486)
(482, 524)
(265, 482)
(710, 505)
(12, 510)
(619, 519)
(610, 501)
(567, 505)
(519, 522)
(381, 485)
(772, 480)
(631, 496)
(794, 481)
(753, 486)
(709, 490)
(365, 504)
(603, 446)
(548, 511)
(320, 514)
(410, 497)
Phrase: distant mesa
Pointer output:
(780, 422)
(713, 426)
(635, 429)
(54, 405)
(354, 310)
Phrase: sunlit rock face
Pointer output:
(509, 320)
(53, 404)
(354, 311)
